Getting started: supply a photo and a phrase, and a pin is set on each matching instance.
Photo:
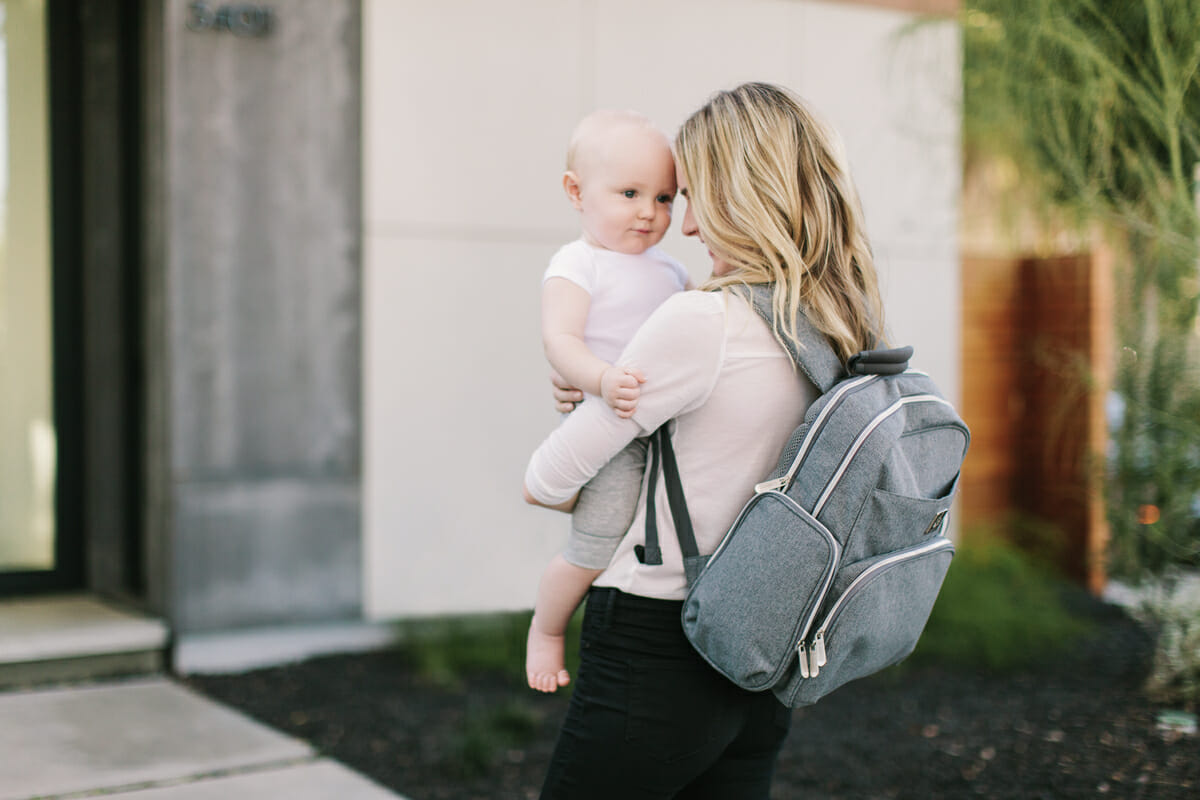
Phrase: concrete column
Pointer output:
(253, 196)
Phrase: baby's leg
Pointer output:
(606, 507)
(601, 518)
(559, 594)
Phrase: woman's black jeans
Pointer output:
(650, 719)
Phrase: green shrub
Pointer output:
(488, 734)
(998, 610)
(446, 650)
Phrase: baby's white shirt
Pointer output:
(625, 290)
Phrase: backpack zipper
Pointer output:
(813, 658)
(862, 438)
(782, 482)
(816, 652)
(822, 591)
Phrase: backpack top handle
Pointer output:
(880, 362)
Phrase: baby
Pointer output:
(596, 293)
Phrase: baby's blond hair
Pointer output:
(592, 129)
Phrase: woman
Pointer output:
(768, 193)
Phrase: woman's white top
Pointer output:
(713, 365)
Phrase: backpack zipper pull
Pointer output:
(773, 485)
(802, 653)
(818, 651)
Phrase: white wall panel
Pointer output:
(468, 107)
(923, 306)
(892, 90)
(456, 400)
(680, 51)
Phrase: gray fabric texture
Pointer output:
(832, 576)
(862, 641)
(759, 591)
(605, 508)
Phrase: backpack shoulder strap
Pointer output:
(815, 357)
(651, 552)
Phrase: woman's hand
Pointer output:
(566, 396)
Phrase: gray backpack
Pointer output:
(831, 569)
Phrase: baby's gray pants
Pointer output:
(605, 508)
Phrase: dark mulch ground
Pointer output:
(1075, 725)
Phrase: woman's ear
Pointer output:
(571, 186)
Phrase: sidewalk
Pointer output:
(153, 739)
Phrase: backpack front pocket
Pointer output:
(761, 591)
(874, 622)
(896, 519)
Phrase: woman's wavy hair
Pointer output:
(769, 189)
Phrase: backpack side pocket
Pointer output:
(761, 590)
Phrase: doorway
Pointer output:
(69, 298)
(37, 550)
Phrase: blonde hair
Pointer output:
(593, 130)
(772, 197)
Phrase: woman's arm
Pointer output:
(682, 345)
(574, 452)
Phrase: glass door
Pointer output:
(28, 440)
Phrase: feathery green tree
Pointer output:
(1098, 103)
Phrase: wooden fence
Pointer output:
(1036, 353)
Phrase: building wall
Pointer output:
(467, 106)
(252, 262)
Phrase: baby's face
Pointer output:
(627, 187)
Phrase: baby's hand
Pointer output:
(621, 387)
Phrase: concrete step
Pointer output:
(62, 638)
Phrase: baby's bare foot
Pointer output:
(544, 665)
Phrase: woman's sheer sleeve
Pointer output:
(587, 439)
(679, 349)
